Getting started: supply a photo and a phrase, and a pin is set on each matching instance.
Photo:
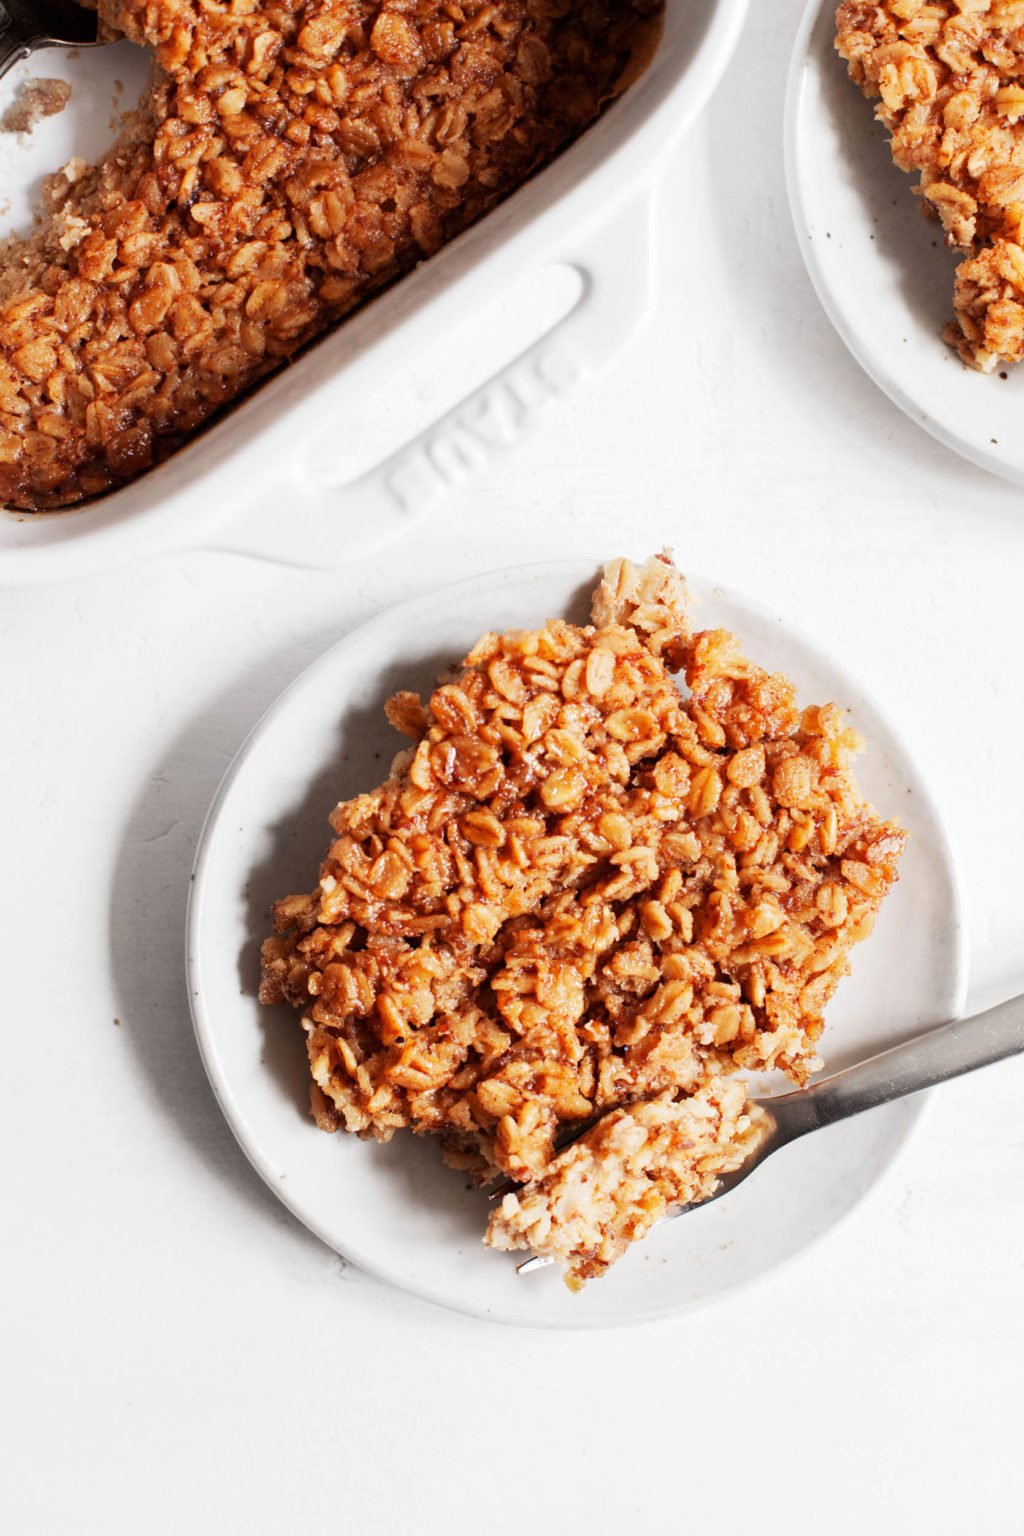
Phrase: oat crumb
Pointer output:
(35, 100)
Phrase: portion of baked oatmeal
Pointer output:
(288, 160)
(579, 890)
(949, 79)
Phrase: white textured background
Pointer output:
(179, 1355)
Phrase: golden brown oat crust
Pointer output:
(288, 160)
(949, 78)
(580, 889)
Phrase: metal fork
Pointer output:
(26, 25)
(951, 1050)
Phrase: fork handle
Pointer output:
(14, 45)
(11, 53)
(949, 1051)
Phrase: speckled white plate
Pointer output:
(397, 1211)
(880, 269)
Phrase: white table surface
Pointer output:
(180, 1355)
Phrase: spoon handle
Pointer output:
(949, 1051)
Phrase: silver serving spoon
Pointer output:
(948, 1051)
(26, 25)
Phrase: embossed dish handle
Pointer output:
(342, 523)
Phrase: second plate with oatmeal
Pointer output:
(395, 1209)
(881, 269)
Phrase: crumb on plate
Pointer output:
(948, 77)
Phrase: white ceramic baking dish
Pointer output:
(253, 482)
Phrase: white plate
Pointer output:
(881, 271)
(396, 1210)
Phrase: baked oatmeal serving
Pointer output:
(288, 159)
(948, 76)
(584, 900)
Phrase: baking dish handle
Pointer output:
(329, 525)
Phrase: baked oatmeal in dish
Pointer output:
(949, 79)
(288, 159)
(583, 899)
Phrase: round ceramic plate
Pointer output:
(396, 1210)
(881, 271)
